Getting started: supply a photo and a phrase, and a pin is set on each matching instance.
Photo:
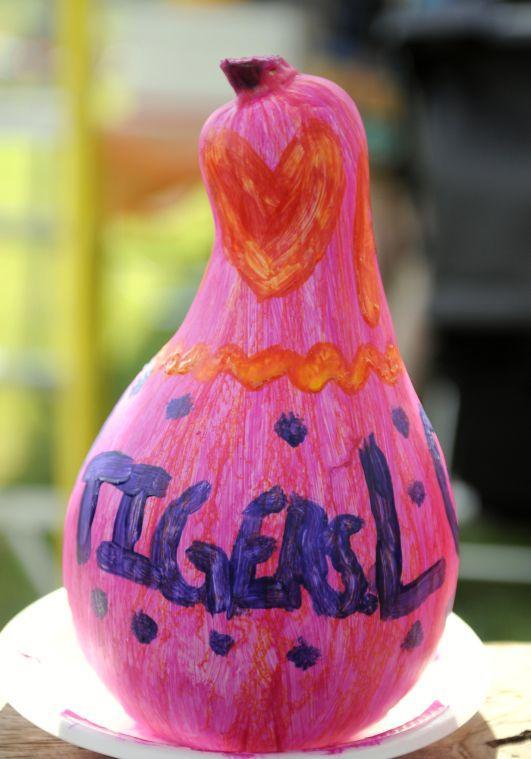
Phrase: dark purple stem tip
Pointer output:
(251, 74)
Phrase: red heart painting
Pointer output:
(276, 224)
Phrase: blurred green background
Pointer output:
(105, 230)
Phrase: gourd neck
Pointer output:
(292, 291)
(294, 262)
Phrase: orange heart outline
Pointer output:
(276, 224)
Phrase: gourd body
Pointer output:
(261, 549)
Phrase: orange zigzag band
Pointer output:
(323, 363)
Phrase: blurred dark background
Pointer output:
(105, 230)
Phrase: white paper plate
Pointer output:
(46, 678)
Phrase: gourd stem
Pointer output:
(250, 75)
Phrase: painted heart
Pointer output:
(276, 223)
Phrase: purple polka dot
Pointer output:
(219, 643)
(414, 637)
(400, 420)
(144, 628)
(303, 656)
(291, 429)
(417, 492)
(99, 603)
(179, 407)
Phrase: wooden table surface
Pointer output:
(501, 729)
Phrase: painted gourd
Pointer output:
(261, 548)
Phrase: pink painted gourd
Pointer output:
(261, 547)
